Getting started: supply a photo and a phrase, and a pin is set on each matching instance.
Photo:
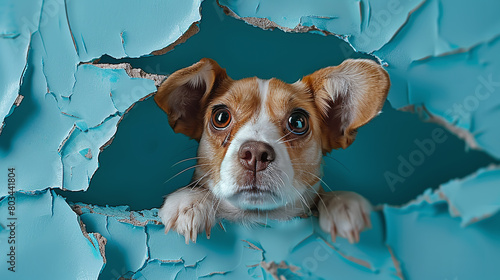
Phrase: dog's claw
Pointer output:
(208, 230)
(170, 225)
(194, 236)
(350, 236)
(333, 232)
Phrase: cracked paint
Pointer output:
(69, 123)
(447, 54)
(17, 23)
(126, 249)
(475, 197)
(366, 25)
(389, 30)
(123, 37)
(234, 251)
(91, 100)
(472, 105)
(429, 243)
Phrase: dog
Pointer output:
(261, 144)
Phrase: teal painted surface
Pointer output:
(366, 25)
(45, 138)
(380, 148)
(48, 242)
(18, 20)
(432, 245)
(235, 252)
(71, 110)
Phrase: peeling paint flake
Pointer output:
(223, 253)
(434, 50)
(430, 244)
(476, 197)
(86, 119)
(71, 106)
(91, 100)
(471, 105)
(366, 30)
(18, 20)
(78, 164)
(317, 257)
(161, 24)
(236, 252)
(126, 249)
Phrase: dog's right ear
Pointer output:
(185, 94)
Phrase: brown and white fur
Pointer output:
(257, 166)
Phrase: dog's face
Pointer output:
(262, 141)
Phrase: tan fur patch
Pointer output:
(283, 99)
(348, 96)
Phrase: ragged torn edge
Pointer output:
(123, 214)
(397, 264)
(19, 97)
(272, 269)
(267, 24)
(16, 104)
(133, 218)
(430, 196)
(427, 116)
(454, 211)
(192, 30)
(97, 240)
(436, 196)
(131, 72)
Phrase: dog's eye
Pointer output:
(298, 123)
(221, 118)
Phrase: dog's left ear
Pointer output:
(348, 96)
(185, 93)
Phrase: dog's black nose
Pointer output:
(255, 155)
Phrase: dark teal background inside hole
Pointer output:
(135, 169)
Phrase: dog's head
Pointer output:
(262, 141)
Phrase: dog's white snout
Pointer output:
(256, 155)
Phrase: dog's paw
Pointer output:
(189, 212)
(344, 214)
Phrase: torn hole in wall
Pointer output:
(463, 198)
